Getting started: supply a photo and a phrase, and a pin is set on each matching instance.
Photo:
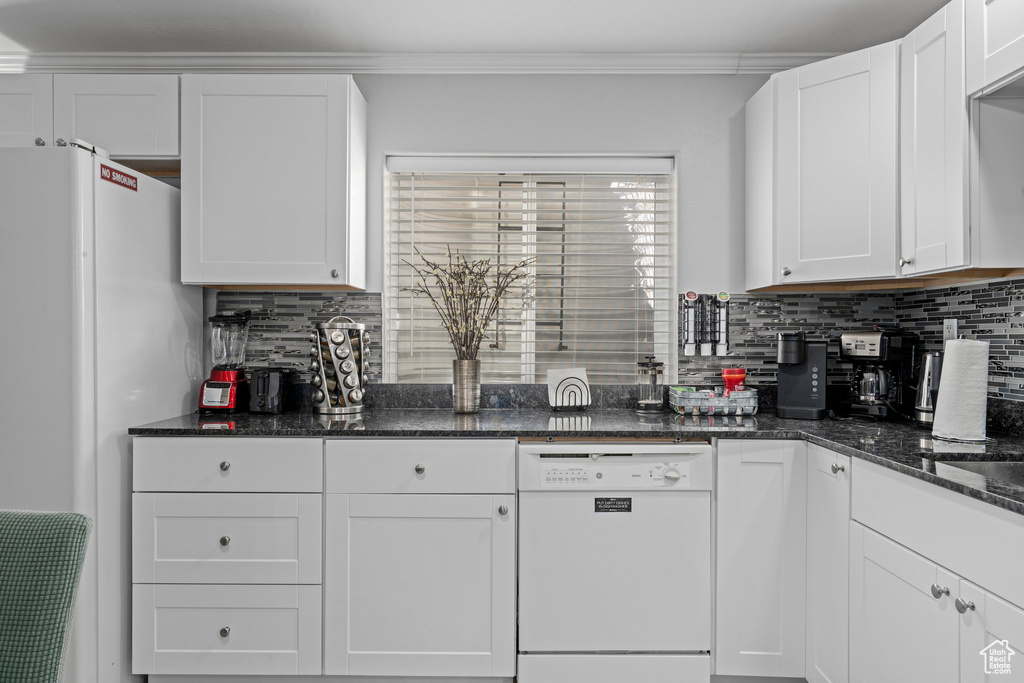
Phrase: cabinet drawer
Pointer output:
(255, 465)
(267, 630)
(421, 466)
(226, 538)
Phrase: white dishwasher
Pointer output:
(614, 562)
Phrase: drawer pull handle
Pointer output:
(225, 540)
(938, 591)
(225, 632)
(420, 469)
(225, 466)
(962, 606)
(836, 469)
(503, 510)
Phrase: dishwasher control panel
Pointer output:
(618, 467)
(613, 473)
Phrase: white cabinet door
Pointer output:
(994, 42)
(272, 180)
(837, 162)
(128, 115)
(26, 110)
(828, 566)
(899, 630)
(420, 585)
(761, 591)
(990, 630)
(933, 146)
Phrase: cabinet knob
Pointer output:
(60, 142)
(225, 466)
(40, 142)
(420, 469)
(786, 272)
(905, 261)
(837, 468)
(225, 632)
(335, 273)
(938, 591)
(225, 540)
(962, 606)
(503, 510)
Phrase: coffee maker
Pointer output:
(884, 371)
(802, 375)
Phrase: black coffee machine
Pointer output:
(885, 363)
(802, 377)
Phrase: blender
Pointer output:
(227, 390)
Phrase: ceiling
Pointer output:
(520, 27)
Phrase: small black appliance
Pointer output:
(885, 363)
(802, 377)
(273, 390)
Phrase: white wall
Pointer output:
(698, 118)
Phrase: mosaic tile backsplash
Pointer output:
(755, 321)
(992, 312)
(281, 323)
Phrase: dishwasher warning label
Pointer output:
(613, 505)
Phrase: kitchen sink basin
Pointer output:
(1011, 472)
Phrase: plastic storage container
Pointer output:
(687, 401)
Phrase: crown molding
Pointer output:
(407, 63)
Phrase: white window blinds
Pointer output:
(600, 290)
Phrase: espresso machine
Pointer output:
(884, 371)
(802, 375)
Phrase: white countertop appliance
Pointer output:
(614, 562)
(99, 335)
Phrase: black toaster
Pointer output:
(272, 390)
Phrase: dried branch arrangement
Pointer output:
(466, 295)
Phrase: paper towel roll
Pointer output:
(963, 391)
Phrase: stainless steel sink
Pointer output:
(1011, 472)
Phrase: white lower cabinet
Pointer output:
(420, 585)
(761, 563)
(420, 581)
(903, 623)
(828, 565)
(227, 556)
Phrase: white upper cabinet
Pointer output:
(837, 168)
(26, 110)
(127, 115)
(760, 180)
(934, 146)
(273, 180)
(995, 42)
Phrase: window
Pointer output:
(601, 287)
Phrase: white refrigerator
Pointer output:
(98, 335)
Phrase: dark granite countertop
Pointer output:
(898, 446)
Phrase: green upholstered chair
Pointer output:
(41, 555)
